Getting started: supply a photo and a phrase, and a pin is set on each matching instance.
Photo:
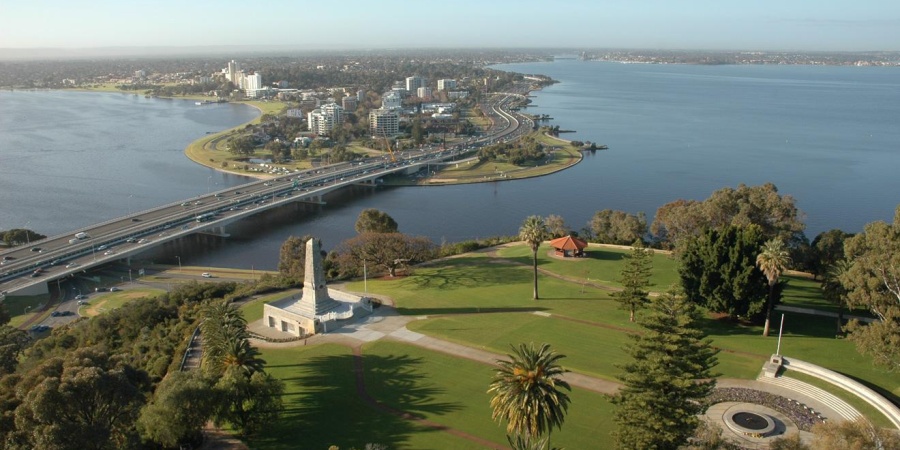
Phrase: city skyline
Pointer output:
(867, 25)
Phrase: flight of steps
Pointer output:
(830, 400)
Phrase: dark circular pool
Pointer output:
(750, 420)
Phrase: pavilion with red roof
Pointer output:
(568, 246)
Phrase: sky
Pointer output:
(812, 25)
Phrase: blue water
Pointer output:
(827, 136)
(72, 159)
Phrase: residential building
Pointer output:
(384, 122)
(446, 84)
(391, 100)
(349, 103)
(361, 95)
(295, 112)
(325, 118)
(423, 92)
(232, 72)
(457, 94)
(413, 83)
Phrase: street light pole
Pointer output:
(27, 234)
(179, 262)
(365, 278)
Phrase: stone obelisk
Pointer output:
(315, 300)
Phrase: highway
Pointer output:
(58, 256)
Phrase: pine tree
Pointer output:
(635, 279)
(670, 373)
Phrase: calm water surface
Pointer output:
(826, 135)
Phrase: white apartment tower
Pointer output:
(384, 122)
(413, 83)
(234, 68)
(423, 92)
(325, 118)
(446, 84)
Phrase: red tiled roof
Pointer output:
(568, 243)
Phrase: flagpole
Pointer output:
(780, 330)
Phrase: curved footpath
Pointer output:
(386, 323)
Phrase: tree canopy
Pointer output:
(670, 372)
(776, 215)
(618, 227)
(383, 251)
(718, 270)
(873, 281)
(371, 220)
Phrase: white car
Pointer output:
(206, 275)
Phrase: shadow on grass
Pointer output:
(466, 310)
(324, 406)
(453, 277)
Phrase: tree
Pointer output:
(775, 214)
(371, 220)
(86, 400)
(857, 434)
(718, 271)
(772, 260)
(635, 279)
(181, 406)
(248, 403)
(618, 227)
(827, 249)
(873, 282)
(222, 326)
(527, 392)
(533, 232)
(384, 251)
(12, 342)
(19, 236)
(668, 376)
(292, 257)
(834, 291)
(556, 226)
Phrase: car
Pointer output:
(131, 240)
(37, 249)
(102, 247)
(8, 258)
(206, 275)
(55, 314)
(114, 289)
(238, 192)
(141, 241)
(109, 252)
(218, 195)
(185, 203)
(100, 289)
(80, 297)
(135, 219)
(71, 265)
(55, 262)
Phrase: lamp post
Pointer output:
(27, 234)
(179, 262)
(26, 309)
(365, 278)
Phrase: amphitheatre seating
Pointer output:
(839, 406)
(871, 397)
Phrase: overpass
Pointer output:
(27, 270)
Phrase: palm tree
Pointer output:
(527, 393)
(533, 232)
(772, 261)
(239, 354)
(221, 324)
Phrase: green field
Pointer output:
(483, 300)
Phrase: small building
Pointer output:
(568, 246)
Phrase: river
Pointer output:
(826, 135)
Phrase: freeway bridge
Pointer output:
(27, 270)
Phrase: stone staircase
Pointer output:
(828, 399)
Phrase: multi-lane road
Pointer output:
(33, 265)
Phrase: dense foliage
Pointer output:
(718, 271)
(635, 279)
(668, 376)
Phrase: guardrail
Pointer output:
(871, 397)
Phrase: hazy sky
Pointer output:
(308, 24)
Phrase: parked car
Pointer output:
(114, 289)
(206, 275)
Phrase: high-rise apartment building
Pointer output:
(325, 118)
(413, 83)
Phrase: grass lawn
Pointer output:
(17, 304)
(601, 264)
(253, 309)
(108, 301)
(474, 283)
(322, 407)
